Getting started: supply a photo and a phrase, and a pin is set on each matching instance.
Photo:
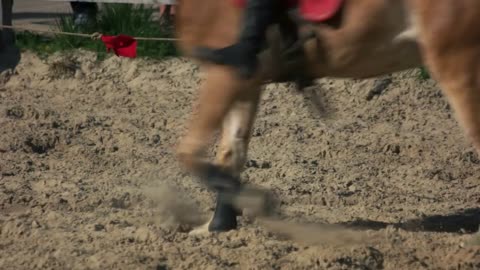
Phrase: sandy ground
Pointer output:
(88, 178)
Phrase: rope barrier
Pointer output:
(95, 35)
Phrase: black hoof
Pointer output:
(232, 196)
(224, 218)
(227, 188)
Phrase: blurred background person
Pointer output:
(167, 13)
(84, 12)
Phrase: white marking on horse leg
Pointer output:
(411, 31)
(237, 141)
(231, 154)
(203, 229)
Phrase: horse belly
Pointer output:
(374, 53)
(375, 61)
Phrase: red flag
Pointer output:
(122, 45)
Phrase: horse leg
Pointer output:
(232, 152)
(231, 156)
(450, 41)
(216, 96)
(222, 98)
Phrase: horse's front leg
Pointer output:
(232, 153)
(217, 94)
(222, 98)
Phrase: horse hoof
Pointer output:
(225, 217)
(222, 225)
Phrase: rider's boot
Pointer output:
(259, 15)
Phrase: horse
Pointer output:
(363, 39)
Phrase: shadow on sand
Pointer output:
(368, 231)
(465, 221)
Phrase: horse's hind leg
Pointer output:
(450, 37)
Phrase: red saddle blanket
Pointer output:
(310, 10)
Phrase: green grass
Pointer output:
(424, 74)
(112, 19)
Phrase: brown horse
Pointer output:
(367, 38)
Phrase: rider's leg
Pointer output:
(259, 15)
